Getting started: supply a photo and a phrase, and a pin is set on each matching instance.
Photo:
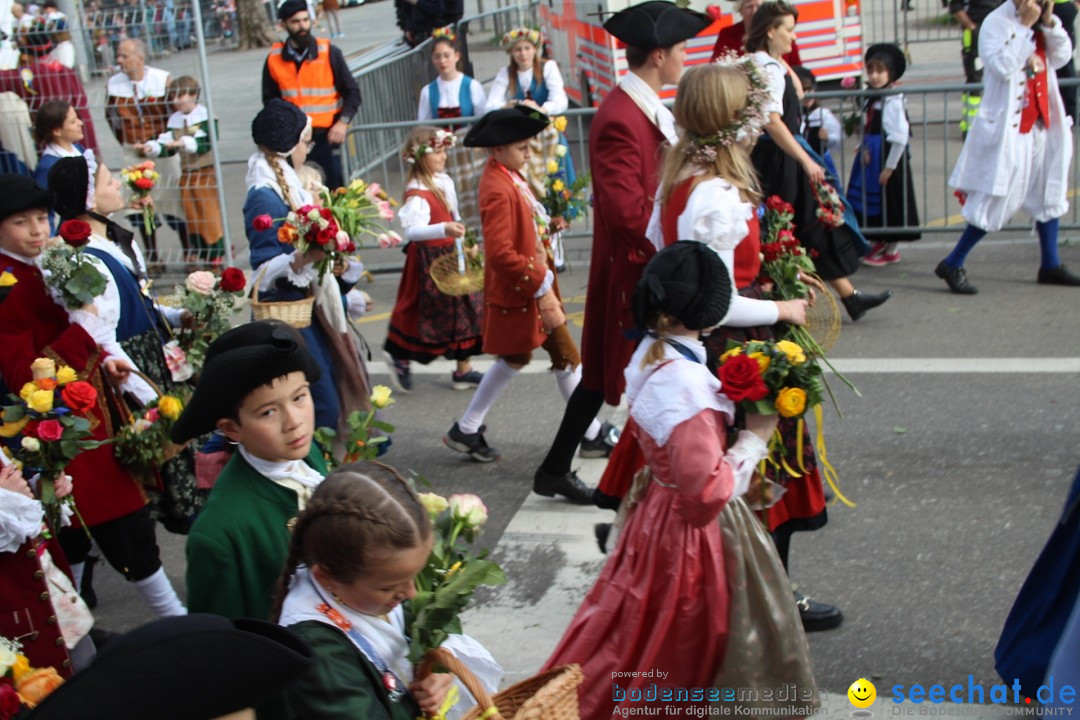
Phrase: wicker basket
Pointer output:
(551, 695)
(823, 320)
(444, 271)
(292, 312)
(128, 417)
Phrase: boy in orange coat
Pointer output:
(522, 308)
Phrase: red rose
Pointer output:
(30, 429)
(75, 232)
(327, 214)
(232, 280)
(785, 236)
(262, 222)
(774, 202)
(326, 236)
(50, 430)
(79, 396)
(10, 704)
(144, 184)
(350, 247)
(740, 379)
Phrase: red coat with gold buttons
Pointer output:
(26, 610)
(515, 264)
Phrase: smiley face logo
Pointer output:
(862, 693)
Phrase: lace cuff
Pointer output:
(20, 519)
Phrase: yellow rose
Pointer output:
(557, 186)
(794, 352)
(66, 374)
(11, 429)
(20, 667)
(380, 397)
(763, 361)
(7, 279)
(27, 390)
(433, 503)
(560, 123)
(552, 167)
(41, 401)
(43, 368)
(730, 354)
(170, 407)
(791, 402)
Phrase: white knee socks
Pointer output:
(568, 381)
(495, 381)
(157, 591)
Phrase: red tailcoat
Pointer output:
(26, 611)
(731, 38)
(515, 264)
(624, 154)
(51, 81)
(33, 326)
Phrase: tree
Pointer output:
(254, 26)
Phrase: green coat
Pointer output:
(237, 547)
(341, 683)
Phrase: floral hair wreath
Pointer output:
(750, 121)
(441, 140)
(444, 33)
(522, 33)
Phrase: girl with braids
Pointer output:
(426, 323)
(664, 599)
(353, 559)
(282, 133)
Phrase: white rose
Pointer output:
(30, 444)
(468, 508)
(560, 150)
(201, 282)
(314, 214)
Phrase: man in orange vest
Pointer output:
(311, 74)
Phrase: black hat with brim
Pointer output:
(192, 667)
(891, 55)
(278, 126)
(289, 8)
(69, 178)
(505, 126)
(19, 193)
(687, 281)
(656, 24)
(237, 362)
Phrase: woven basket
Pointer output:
(171, 449)
(551, 695)
(444, 271)
(292, 312)
(823, 320)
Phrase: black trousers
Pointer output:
(328, 157)
(128, 543)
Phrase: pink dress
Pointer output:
(660, 606)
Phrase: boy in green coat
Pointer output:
(254, 387)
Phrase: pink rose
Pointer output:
(262, 222)
(201, 282)
(384, 240)
(372, 192)
(50, 430)
(395, 239)
(847, 83)
(153, 415)
(342, 241)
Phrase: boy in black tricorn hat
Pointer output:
(255, 389)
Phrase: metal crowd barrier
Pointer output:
(934, 111)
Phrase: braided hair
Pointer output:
(357, 512)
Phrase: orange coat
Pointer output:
(515, 264)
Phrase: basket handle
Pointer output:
(444, 658)
(255, 282)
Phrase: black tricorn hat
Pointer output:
(192, 667)
(278, 126)
(19, 193)
(891, 55)
(505, 126)
(686, 280)
(656, 24)
(69, 178)
(237, 362)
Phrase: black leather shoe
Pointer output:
(472, 444)
(603, 444)
(602, 531)
(569, 486)
(817, 616)
(956, 279)
(604, 501)
(1058, 276)
(857, 303)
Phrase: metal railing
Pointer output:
(934, 111)
(923, 21)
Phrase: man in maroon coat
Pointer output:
(624, 155)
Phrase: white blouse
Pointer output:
(894, 126)
(449, 96)
(717, 216)
(415, 213)
(775, 75)
(557, 101)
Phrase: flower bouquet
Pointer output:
(50, 414)
(22, 686)
(830, 207)
(211, 301)
(144, 444)
(311, 228)
(453, 571)
(562, 200)
(359, 444)
(141, 180)
(72, 277)
(360, 208)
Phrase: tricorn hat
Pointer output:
(505, 126)
(687, 281)
(656, 24)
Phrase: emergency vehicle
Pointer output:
(592, 61)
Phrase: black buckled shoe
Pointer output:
(956, 279)
(569, 486)
(603, 444)
(1058, 276)
(817, 616)
(472, 444)
(857, 303)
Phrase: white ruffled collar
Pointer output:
(260, 174)
(296, 470)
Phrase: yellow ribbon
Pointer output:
(488, 713)
(800, 427)
(449, 702)
(828, 472)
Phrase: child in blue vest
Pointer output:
(453, 93)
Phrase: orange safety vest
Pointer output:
(312, 87)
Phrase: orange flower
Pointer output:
(47, 383)
(35, 685)
(287, 234)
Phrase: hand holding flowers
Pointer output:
(359, 443)
(211, 303)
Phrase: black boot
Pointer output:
(1058, 276)
(956, 279)
(569, 486)
(857, 303)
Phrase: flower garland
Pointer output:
(510, 39)
(749, 122)
(441, 140)
(444, 32)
